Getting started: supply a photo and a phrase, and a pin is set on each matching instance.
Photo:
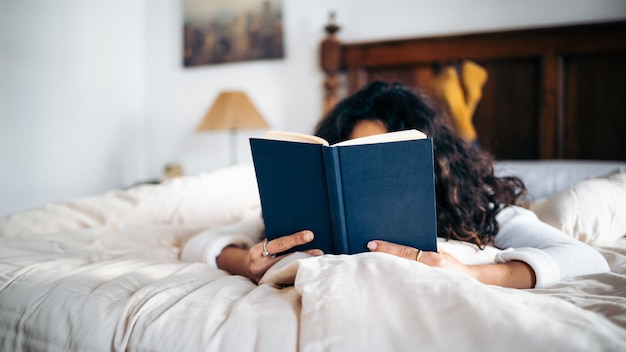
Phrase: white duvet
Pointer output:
(103, 273)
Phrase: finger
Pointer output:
(393, 248)
(281, 244)
(314, 252)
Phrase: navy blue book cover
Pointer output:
(348, 195)
(389, 194)
(293, 190)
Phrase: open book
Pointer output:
(375, 187)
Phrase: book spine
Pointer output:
(335, 198)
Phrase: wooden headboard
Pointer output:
(552, 93)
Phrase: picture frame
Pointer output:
(225, 31)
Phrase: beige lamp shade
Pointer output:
(232, 110)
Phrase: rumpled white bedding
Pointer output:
(103, 274)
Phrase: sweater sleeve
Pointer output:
(550, 253)
(207, 245)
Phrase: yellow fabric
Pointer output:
(462, 94)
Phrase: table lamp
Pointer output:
(233, 111)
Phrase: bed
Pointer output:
(103, 273)
(551, 93)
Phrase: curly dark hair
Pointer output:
(468, 193)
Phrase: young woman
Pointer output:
(473, 205)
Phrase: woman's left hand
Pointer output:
(514, 274)
(440, 259)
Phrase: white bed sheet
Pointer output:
(113, 282)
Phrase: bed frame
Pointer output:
(552, 93)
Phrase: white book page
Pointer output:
(397, 136)
(295, 137)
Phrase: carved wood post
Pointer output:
(330, 61)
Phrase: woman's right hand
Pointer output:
(253, 264)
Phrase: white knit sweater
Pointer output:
(553, 255)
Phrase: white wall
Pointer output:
(93, 95)
(287, 92)
(71, 98)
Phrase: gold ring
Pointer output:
(266, 253)
(419, 255)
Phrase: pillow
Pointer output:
(592, 211)
(544, 178)
(207, 200)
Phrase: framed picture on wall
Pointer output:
(222, 31)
